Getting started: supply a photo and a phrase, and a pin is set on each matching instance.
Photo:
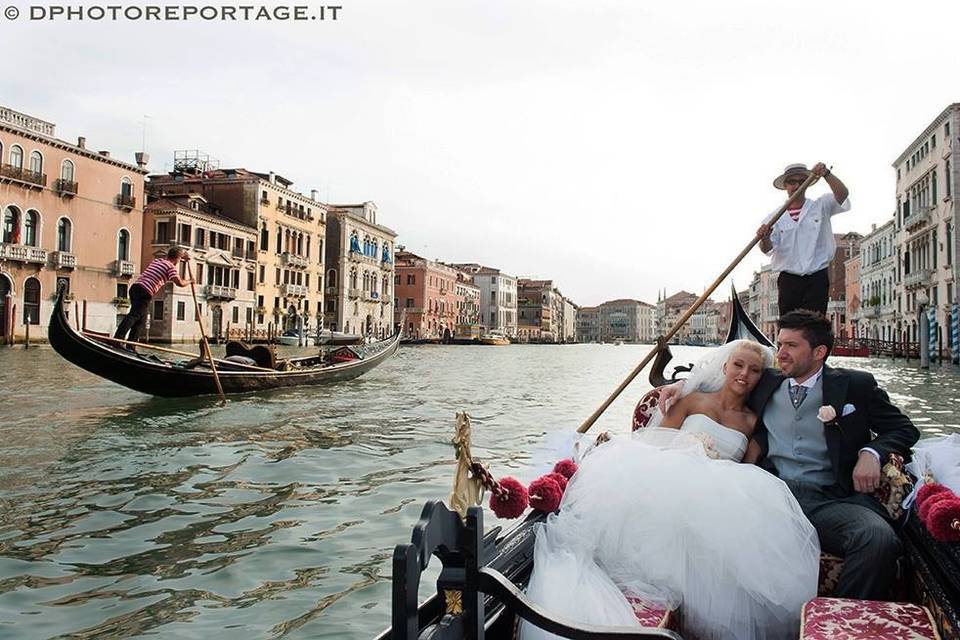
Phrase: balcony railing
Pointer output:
(916, 220)
(13, 172)
(353, 293)
(65, 187)
(236, 253)
(126, 201)
(917, 279)
(292, 260)
(220, 291)
(371, 295)
(295, 290)
(64, 260)
(330, 291)
(123, 268)
(22, 253)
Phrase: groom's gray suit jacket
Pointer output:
(875, 423)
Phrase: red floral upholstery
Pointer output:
(644, 409)
(842, 619)
(651, 614)
(830, 568)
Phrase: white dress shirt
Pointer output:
(805, 245)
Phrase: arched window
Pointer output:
(332, 278)
(366, 281)
(36, 162)
(67, 171)
(11, 225)
(64, 234)
(385, 288)
(264, 238)
(126, 188)
(353, 279)
(123, 245)
(31, 301)
(30, 228)
(16, 156)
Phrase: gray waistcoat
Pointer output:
(797, 446)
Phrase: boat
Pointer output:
(328, 337)
(291, 338)
(494, 338)
(851, 348)
(246, 369)
(480, 589)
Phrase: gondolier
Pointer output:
(158, 273)
(801, 242)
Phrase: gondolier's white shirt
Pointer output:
(806, 245)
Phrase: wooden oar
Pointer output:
(661, 342)
(205, 344)
(146, 345)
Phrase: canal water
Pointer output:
(276, 516)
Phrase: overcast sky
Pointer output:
(616, 147)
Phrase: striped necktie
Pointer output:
(797, 393)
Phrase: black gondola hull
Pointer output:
(172, 381)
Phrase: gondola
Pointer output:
(479, 592)
(99, 355)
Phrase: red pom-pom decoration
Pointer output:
(545, 494)
(561, 480)
(566, 468)
(943, 520)
(929, 489)
(513, 503)
(924, 509)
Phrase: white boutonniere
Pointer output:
(828, 416)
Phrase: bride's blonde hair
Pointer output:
(766, 357)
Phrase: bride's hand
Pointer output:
(668, 395)
(604, 436)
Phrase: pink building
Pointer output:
(70, 217)
(852, 285)
(427, 292)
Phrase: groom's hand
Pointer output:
(866, 475)
(668, 395)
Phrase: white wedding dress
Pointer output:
(659, 516)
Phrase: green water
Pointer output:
(276, 515)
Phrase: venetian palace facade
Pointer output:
(289, 241)
(71, 217)
(427, 293)
(360, 271)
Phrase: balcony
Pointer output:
(296, 261)
(30, 178)
(64, 260)
(21, 253)
(237, 253)
(219, 291)
(65, 187)
(123, 268)
(917, 279)
(294, 290)
(330, 291)
(917, 220)
(353, 293)
(126, 200)
(373, 296)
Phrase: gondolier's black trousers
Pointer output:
(133, 322)
(803, 292)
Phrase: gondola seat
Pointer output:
(847, 619)
(651, 614)
(263, 356)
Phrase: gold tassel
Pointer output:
(467, 491)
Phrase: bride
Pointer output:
(670, 515)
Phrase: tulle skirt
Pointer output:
(653, 515)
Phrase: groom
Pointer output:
(831, 467)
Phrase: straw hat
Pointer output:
(791, 170)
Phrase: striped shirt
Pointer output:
(158, 273)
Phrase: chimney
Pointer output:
(313, 195)
(81, 142)
(273, 178)
(105, 154)
(142, 158)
